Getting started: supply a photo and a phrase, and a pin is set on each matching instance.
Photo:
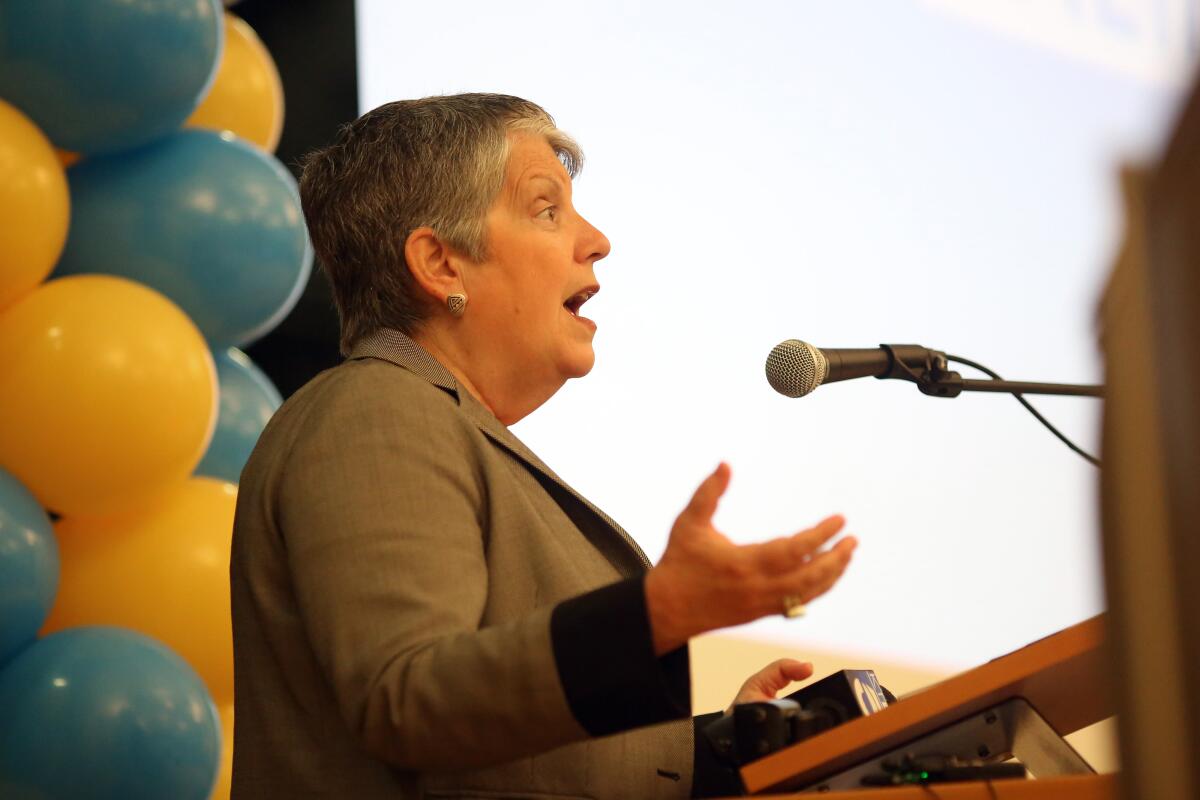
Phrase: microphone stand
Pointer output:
(933, 377)
(936, 379)
(1023, 387)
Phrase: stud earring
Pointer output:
(457, 303)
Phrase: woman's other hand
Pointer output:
(765, 684)
(705, 582)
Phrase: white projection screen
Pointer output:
(849, 174)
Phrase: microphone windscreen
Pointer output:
(795, 368)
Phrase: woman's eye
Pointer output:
(549, 212)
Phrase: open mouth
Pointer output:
(576, 301)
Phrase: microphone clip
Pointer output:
(928, 369)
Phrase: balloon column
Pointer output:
(146, 232)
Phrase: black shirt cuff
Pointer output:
(604, 651)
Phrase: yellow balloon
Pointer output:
(225, 773)
(246, 95)
(108, 394)
(34, 206)
(162, 570)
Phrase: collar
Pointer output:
(391, 345)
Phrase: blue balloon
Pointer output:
(28, 566)
(210, 221)
(107, 75)
(103, 712)
(247, 401)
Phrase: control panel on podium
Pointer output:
(1006, 718)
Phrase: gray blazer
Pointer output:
(422, 609)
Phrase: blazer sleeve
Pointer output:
(382, 506)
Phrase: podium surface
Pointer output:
(1080, 787)
(1063, 677)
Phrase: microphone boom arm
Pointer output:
(929, 370)
(1024, 387)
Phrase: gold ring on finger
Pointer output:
(793, 606)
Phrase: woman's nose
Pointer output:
(593, 245)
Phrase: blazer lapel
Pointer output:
(397, 348)
(598, 527)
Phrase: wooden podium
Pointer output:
(1020, 704)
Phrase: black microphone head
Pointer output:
(795, 368)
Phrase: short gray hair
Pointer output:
(436, 162)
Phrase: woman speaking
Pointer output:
(421, 607)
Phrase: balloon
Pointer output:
(210, 221)
(225, 771)
(162, 570)
(34, 205)
(247, 401)
(247, 96)
(102, 712)
(28, 566)
(107, 394)
(108, 75)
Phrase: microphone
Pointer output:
(795, 368)
(755, 730)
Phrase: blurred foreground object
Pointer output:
(1151, 450)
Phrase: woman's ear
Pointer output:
(435, 265)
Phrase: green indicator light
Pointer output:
(924, 775)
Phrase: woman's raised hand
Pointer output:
(704, 581)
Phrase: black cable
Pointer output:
(1021, 399)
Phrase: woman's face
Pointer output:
(539, 267)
